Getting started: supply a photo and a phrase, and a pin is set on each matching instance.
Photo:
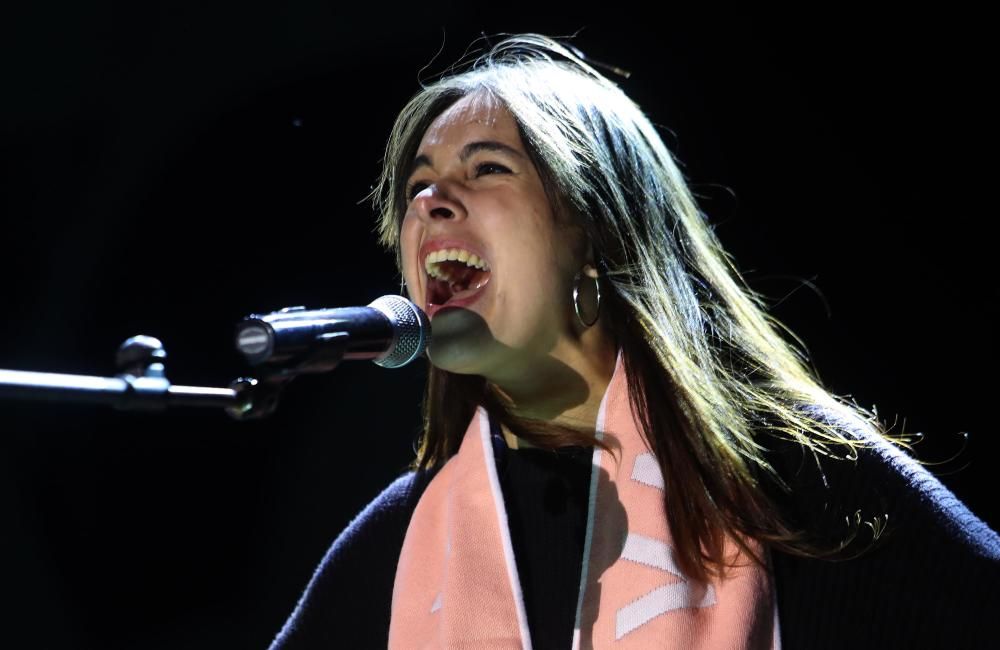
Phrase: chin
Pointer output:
(461, 342)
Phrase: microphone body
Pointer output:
(391, 331)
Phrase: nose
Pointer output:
(439, 202)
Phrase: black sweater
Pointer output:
(930, 580)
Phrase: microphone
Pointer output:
(391, 331)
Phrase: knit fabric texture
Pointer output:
(931, 579)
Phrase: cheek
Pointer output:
(537, 277)
(542, 259)
(549, 253)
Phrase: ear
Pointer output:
(592, 268)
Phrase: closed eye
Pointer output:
(414, 189)
(482, 169)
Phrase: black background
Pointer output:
(168, 169)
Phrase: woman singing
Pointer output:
(620, 448)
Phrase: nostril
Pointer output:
(444, 213)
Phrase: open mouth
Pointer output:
(454, 276)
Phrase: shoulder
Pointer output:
(878, 487)
(389, 511)
(350, 592)
(923, 500)
(903, 539)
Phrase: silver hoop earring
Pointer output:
(576, 299)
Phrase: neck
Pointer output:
(565, 387)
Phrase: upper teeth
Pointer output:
(451, 254)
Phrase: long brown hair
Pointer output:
(710, 374)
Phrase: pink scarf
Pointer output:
(457, 585)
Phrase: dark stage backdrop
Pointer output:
(167, 170)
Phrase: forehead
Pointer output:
(475, 116)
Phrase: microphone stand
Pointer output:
(141, 383)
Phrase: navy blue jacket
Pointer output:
(920, 570)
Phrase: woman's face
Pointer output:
(483, 252)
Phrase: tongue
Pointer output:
(468, 283)
(462, 293)
(464, 281)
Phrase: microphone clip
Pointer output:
(258, 397)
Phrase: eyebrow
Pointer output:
(467, 152)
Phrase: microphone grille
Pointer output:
(411, 327)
